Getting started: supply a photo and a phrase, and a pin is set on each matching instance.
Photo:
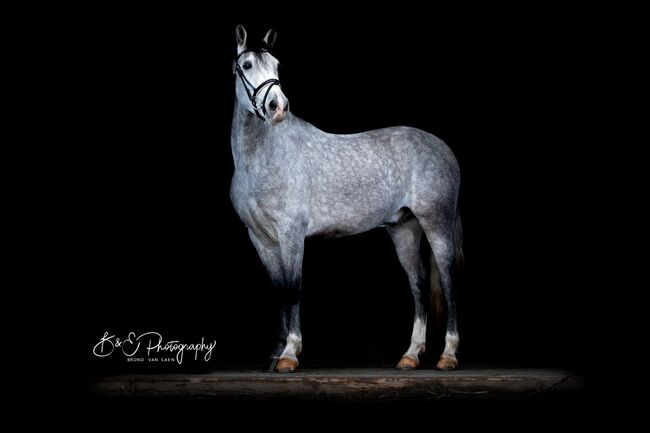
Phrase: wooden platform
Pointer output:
(344, 384)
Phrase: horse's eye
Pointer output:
(247, 65)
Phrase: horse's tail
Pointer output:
(459, 257)
(437, 295)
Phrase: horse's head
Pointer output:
(258, 86)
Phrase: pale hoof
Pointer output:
(286, 365)
(407, 363)
(447, 364)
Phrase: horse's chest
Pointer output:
(258, 202)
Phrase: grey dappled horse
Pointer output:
(293, 180)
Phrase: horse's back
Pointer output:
(359, 181)
(396, 157)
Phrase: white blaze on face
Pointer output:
(418, 339)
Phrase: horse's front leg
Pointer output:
(283, 261)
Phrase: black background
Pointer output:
(162, 249)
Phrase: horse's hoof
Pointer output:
(447, 364)
(407, 363)
(286, 365)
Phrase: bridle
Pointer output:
(253, 91)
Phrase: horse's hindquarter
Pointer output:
(360, 181)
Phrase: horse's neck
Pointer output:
(246, 131)
(248, 137)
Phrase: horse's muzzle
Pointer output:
(278, 117)
(277, 108)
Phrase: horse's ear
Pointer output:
(240, 33)
(270, 37)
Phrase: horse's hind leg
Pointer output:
(406, 237)
(439, 233)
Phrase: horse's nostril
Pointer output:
(273, 105)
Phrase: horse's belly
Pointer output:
(338, 221)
